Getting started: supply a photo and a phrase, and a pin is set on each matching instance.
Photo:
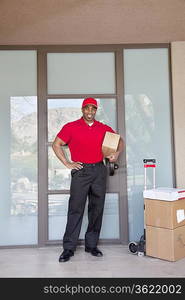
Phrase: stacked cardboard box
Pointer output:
(165, 224)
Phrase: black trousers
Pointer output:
(89, 181)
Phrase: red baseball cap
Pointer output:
(91, 101)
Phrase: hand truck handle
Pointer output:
(145, 161)
(149, 160)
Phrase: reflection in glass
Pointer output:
(24, 155)
(58, 205)
(62, 111)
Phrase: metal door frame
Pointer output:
(43, 96)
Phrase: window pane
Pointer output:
(59, 177)
(80, 73)
(62, 111)
(58, 205)
(18, 150)
(148, 128)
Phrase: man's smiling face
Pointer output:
(89, 112)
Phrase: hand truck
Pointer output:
(140, 246)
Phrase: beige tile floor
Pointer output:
(116, 262)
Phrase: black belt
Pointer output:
(93, 164)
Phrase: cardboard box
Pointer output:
(166, 214)
(167, 244)
(110, 143)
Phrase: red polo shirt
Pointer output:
(84, 141)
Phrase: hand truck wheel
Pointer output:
(133, 247)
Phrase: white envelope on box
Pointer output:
(163, 193)
(180, 215)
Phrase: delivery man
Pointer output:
(84, 138)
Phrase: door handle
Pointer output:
(111, 166)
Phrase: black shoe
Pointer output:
(94, 251)
(66, 255)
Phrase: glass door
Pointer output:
(70, 78)
(61, 111)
